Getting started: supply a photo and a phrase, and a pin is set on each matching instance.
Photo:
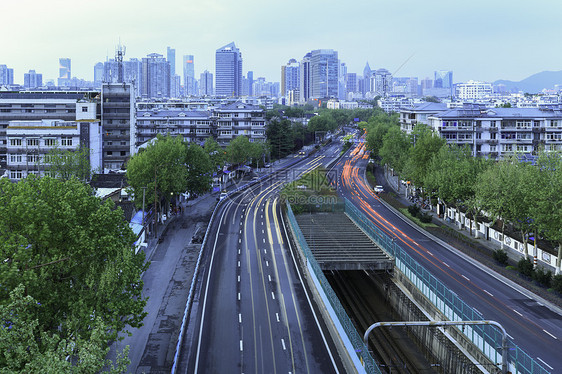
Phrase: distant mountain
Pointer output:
(535, 83)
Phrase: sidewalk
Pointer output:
(479, 250)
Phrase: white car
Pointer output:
(379, 189)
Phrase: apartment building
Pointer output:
(193, 125)
(30, 141)
(500, 132)
(412, 114)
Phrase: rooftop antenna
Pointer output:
(119, 53)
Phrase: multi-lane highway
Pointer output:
(530, 324)
(252, 313)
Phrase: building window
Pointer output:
(15, 142)
(33, 142)
(84, 109)
(66, 141)
(15, 159)
(123, 153)
(16, 174)
(50, 142)
(33, 158)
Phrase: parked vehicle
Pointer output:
(378, 189)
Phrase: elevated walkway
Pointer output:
(338, 244)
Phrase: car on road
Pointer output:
(222, 195)
(378, 189)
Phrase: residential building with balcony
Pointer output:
(501, 132)
(238, 119)
(412, 114)
(30, 141)
(193, 126)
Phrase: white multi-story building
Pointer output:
(473, 90)
(499, 132)
(239, 119)
(411, 115)
(30, 141)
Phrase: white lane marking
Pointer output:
(242, 216)
(238, 263)
(550, 367)
(272, 295)
(431, 254)
(262, 223)
(277, 316)
(263, 231)
(238, 295)
(554, 337)
(285, 348)
(518, 312)
(238, 250)
(269, 277)
(265, 251)
(488, 293)
(240, 231)
(465, 277)
(238, 278)
(240, 241)
(261, 215)
(239, 317)
(266, 263)
(241, 346)
(240, 223)
(263, 240)
(446, 264)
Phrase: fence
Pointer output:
(488, 340)
(355, 338)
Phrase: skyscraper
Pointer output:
(443, 79)
(228, 71)
(171, 57)
(342, 81)
(250, 83)
(98, 74)
(155, 76)
(351, 82)
(64, 72)
(6, 75)
(290, 79)
(206, 83)
(324, 67)
(381, 82)
(189, 75)
(305, 79)
(32, 79)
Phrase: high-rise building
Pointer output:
(175, 86)
(381, 82)
(443, 79)
(228, 71)
(65, 73)
(155, 76)
(32, 79)
(351, 82)
(206, 84)
(171, 57)
(6, 75)
(189, 75)
(342, 81)
(324, 68)
(250, 83)
(305, 79)
(118, 124)
(290, 76)
(98, 74)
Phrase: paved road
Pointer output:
(252, 314)
(530, 324)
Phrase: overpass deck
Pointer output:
(338, 244)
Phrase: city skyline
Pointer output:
(481, 41)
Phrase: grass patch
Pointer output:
(416, 220)
(312, 193)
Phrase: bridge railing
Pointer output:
(355, 338)
(488, 340)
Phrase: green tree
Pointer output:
(425, 145)
(215, 151)
(66, 164)
(73, 255)
(394, 151)
(280, 137)
(322, 123)
(161, 168)
(239, 150)
(200, 167)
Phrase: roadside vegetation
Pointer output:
(311, 193)
(519, 197)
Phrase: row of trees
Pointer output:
(70, 280)
(525, 195)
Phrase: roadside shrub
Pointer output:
(414, 210)
(525, 267)
(500, 256)
(543, 277)
(557, 283)
(425, 217)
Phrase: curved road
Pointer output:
(530, 324)
(253, 314)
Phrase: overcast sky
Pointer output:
(479, 39)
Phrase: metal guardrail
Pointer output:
(487, 340)
(355, 338)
